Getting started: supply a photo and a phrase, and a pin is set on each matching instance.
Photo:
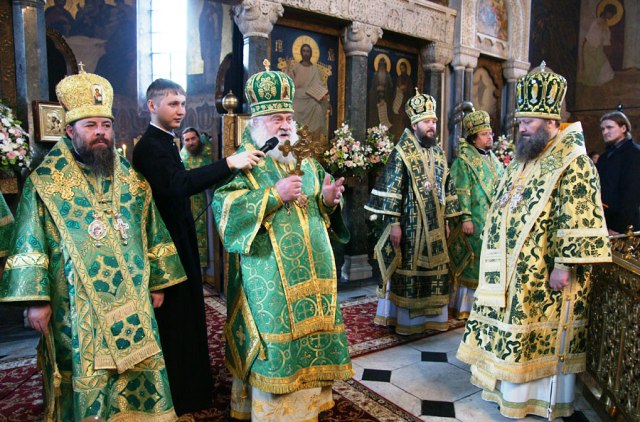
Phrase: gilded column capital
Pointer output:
(436, 56)
(359, 38)
(514, 69)
(255, 18)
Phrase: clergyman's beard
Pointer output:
(530, 147)
(99, 160)
(260, 135)
(428, 141)
(197, 150)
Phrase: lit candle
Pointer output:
(124, 150)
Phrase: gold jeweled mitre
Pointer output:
(540, 94)
(85, 95)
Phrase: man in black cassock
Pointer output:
(181, 320)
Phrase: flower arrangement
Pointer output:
(15, 153)
(381, 143)
(348, 157)
(503, 149)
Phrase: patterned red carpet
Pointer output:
(20, 381)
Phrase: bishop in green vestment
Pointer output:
(285, 337)
(525, 338)
(196, 153)
(414, 195)
(90, 258)
(475, 173)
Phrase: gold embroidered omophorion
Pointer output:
(102, 356)
(284, 329)
(520, 329)
(416, 192)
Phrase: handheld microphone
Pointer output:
(270, 144)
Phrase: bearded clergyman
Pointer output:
(526, 335)
(91, 258)
(415, 198)
(286, 341)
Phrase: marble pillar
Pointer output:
(468, 83)
(30, 46)
(455, 121)
(465, 60)
(511, 70)
(255, 19)
(435, 58)
(358, 40)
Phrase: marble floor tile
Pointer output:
(355, 292)
(18, 349)
(434, 381)
(405, 400)
(438, 409)
(390, 359)
(358, 370)
(437, 419)
(474, 409)
(581, 404)
(445, 342)
(451, 358)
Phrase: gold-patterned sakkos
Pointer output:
(103, 322)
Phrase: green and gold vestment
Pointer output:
(6, 226)
(546, 214)
(199, 202)
(415, 190)
(284, 329)
(475, 177)
(102, 355)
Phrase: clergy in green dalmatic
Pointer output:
(415, 197)
(195, 153)
(6, 226)
(526, 336)
(90, 258)
(475, 173)
(285, 337)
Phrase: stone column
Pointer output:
(435, 58)
(511, 70)
(358, 40)
(30, 44)
(255, 19)
(468, 83)
(464, 61)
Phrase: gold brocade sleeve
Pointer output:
(452, 205)
(26, 275)
(462, 182)
(239, 210)
(165, 266)
(581, 235)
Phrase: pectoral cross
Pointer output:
(304, 148)
(122, 227)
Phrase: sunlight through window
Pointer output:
(169, 41)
